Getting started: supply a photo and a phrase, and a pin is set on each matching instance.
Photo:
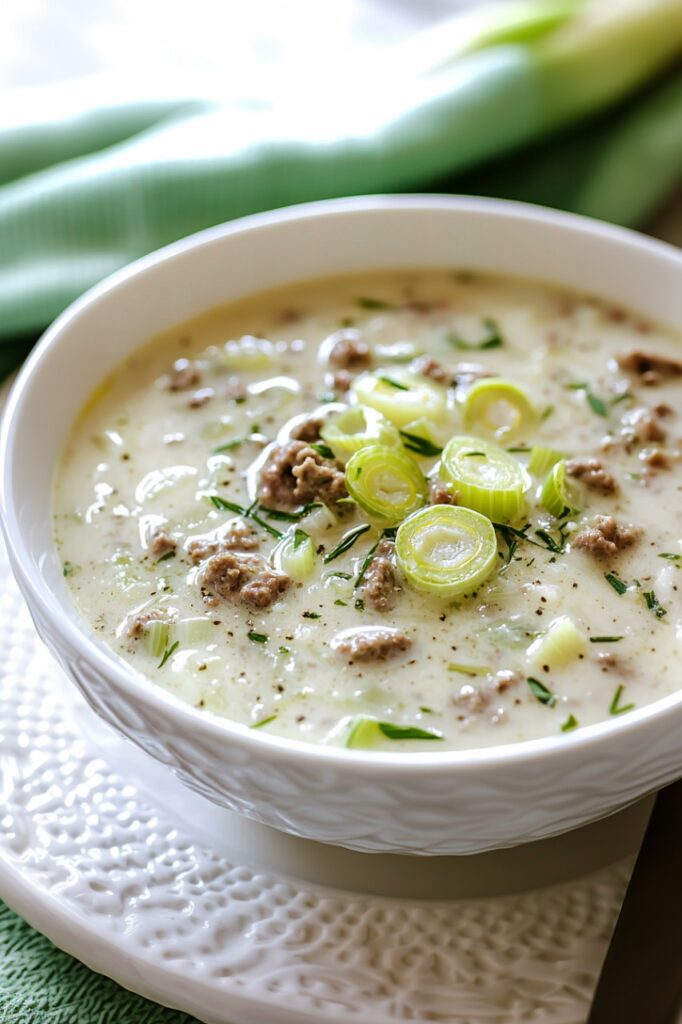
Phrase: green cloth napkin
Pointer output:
(41, 985)
(88, 185)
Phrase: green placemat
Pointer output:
(41, 985)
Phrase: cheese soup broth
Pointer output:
(214, 530)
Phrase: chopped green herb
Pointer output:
(311, 615)
(604, 639)
(616, 582)
(359, 604)
(349, 538)
(250, 513)
(471, 455)
(258, 638)
(492, 339)
(167, 653)
(322, 449)
(67, 569)
(342, 604)
(229, 445)
(283, 650)
(469, 670)
(166, 557)
(546, 413)
(339, 575)
(300, 537)
(290, 517)
(541, 693)
(366, 302)
(621, 398)
(570, 723)
(366, 564)
(653, 604)
(407, 732)
(616, 707)
(597, 405)
(520, 448)
(550, 544)
(263, 721)
(420, 445)
(394, 383)
(671, 556)
(426, 711)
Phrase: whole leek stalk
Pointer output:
(108, 198)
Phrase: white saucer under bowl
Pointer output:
(122, 866)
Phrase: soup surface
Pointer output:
(414, 510)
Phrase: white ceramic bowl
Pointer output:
(424, 803)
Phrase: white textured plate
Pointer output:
(106, 853)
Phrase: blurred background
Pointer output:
(126, 125)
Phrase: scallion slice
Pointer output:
(193, 630)
(561, 644)
(295, 555)
(386, 483)
(498, 407)
(446, 550)
(542, 459)
(493, 483)
(400, 396)
(357, 427)
(556, 495)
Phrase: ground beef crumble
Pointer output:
(243, 575)
(379, 586)
(350, 352)
(183, 376)
(239, 537)
(308, 430)
(296, 474)
(592, 473)
(605, 537)
(440, 493)
(652, 369)
(264, 588)
(137, 626)
(372, 644)
(428, 367)
(161, 542)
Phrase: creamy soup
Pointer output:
(413, 511)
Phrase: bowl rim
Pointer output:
(137, 686)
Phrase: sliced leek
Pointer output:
(560, 645)
(295, 555)
(419, 437)
(366, 732)
(556, 494)
(193, 630)
(156, 637)
(485, 477)
(386, 483)
(498, 407)
(446, 550)
(357, 427)
(400, 396)
(542, 459)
